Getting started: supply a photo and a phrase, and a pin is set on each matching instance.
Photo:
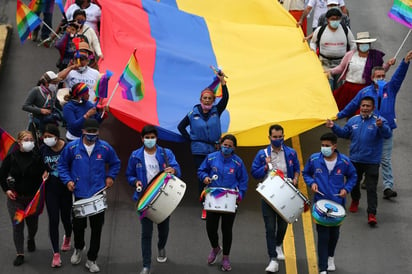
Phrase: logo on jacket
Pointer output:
(78, 157)
(338, 171)
(231, 170)
(99, 156)
(319, 170)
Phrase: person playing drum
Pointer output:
(277, 156)
(143, 166)
(82, 168)
(226, 170)
(331, 175)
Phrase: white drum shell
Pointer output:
(225, 203)
(89, 206)
(60, 95)
(283, 197)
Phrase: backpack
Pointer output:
(320, 32)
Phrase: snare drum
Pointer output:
(219, 199)
(60, 95)
(90, 206)
(283, 197)
(328, 213)
(161, 197)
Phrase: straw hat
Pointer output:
(364, 38)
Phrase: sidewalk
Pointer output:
(5, 31)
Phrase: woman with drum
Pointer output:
(223, 169)
(204, 123)
(144, 165)
(277, 156)
(58, 197)
(331, 176)
(20, 176)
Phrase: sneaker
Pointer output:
(354, 205)
(31, 245)
(226, 264)
(363, 185)
(66, 246)
(145, 270)
(92, 266)
(77, 256)
(161, 258)
(211, 259)
(56, 262)
(323, 272)
(204, 214)
(273, 266)
(372, 219)
(389, 193)
(19, 260)
(331, 264)
(279, 251)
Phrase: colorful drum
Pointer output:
(90, 206)
(219, 199)
(161, 197)
(283, 197)
(328, 213)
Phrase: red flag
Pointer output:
(35, 207)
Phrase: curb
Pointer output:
(5, 34)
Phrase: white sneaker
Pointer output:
(77, 256)
(331, 264)
(92, 266)
(162, 258)
(323, 272)
(145, 270)
(279, 251)
(273, 266)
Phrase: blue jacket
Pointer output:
(88, 173)
(315, 171)
(231, 172)
(259, 170)
(366, 138)
(136, 167)
(386, 107)
(73, 114)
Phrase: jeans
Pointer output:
(386, 163)
(212, 225)
(275, 229)
(147, 232)
(371, 172)
(327, 239)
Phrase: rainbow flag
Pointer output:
(27, 21)
(37, 6)
(401, 12)
(216, 87)
(102, 84)
(7, 144)
(131, 81)
(35, 207)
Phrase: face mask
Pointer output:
(379, 82)
(82, 69)
(52, 87)
(51, 141)
(81, 22)
(334, 24)
(206, 107)
(149, 143)
(277, 142)
(91, 138)
(27, 146)
(227, 150)
(326, 151)
(364, 47)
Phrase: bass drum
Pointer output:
(60, 95)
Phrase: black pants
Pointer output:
(212, 225)
(371, 172)
(96, 225)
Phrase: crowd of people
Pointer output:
(81, 165)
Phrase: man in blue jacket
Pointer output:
(331, 176)
(82, 168)
(144, 164)
(384, 93)
(366, 132)
(276, 156)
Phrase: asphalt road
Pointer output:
(384, 249)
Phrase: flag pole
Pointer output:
(403, 43)
(58, 36)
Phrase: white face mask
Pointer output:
(82, 69)
(52, 87)
(27, 146)
(51, 141)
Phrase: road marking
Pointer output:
(290, 251)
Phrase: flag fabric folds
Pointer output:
(102, 84)
(35, 207)
(216, 87)
(131, 81)
(7, 144)
(26, 20)
(401, 12)
(37, 6)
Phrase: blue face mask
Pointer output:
(277, 142)
(380, 82)
(92, 138)
(334, 24)
(149, 143)
(326, 151)
(364, 47)
(227, 150)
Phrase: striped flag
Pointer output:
(35, 207)
(100, 89)
(7, 144)
(216, 87)
(27, 21)
(401, 12)
(131, 81)
(37, 6)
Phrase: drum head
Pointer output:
(60, 95)
(330, 208)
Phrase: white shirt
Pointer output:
(332, 43)
(89, 77)
(319, 7)
(93, 14)
(89, 149)
(91, 36)
(330, 165)
(278, 161)
(355, 69)
(152, 165)
(294, 4)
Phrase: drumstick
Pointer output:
(101, 190)
(139, 189)
(320, 193)
(215, 177)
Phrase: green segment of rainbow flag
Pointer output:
(26, 20)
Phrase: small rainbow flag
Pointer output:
(37, 6)
(102, 84)
(35, 207)
(216, 87)
(401, 12)
(7, 144)
(27, 21)
(131, 81)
